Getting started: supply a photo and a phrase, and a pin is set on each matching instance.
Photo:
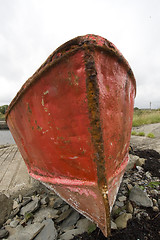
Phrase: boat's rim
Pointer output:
(70, 47)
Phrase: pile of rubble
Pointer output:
(44, 215)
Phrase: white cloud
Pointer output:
(31, 30)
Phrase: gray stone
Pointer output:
(119, 204)
(20, 198)
(49, 231)
(69, 234)
(129, 186)
(132, 160)
(122, 220)
(8, 221)
(64, 208)
(14, 223)
(14, 212)
(129, 207)
(139, 168)
(63, 215)
(122, 198)
(15, 204)
(140, 197)
(115, 210)
(28, 232)
(45, 213)
(154, 192)
(45, 200)
(71, 220)
(85, 225)
(3, 233)
(58, 202)
(26, 200)
(5, 208)
(148, 175)
(140, 162)
(155, 209)
(155, 203)
(113, 225)
(30, 207)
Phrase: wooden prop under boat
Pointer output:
(72, 123)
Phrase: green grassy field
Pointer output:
(142, 117)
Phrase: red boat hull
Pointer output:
(72, 123)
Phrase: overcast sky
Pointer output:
(30, 30)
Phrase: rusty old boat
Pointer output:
(72, 123)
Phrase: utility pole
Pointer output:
(150, 105)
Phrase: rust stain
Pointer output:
(72, 79)
(96, 129)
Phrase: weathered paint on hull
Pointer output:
(72, 122)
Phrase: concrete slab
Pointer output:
(14, 176)
(141, 142)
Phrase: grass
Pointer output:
(142, 134)
(134, 133)
(142, 117)
(150, 135)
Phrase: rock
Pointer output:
(148, 175)
(122, 220)
(115, 210)
(51, 201)
(8, 221)
(129, 186)
(3, 233)
(119, 204)
(15, 204)
(132, 161)
(5, 208)
(30, 207)
(64, 208)
(14, 223)
(14, 212)
(36, 197)
(140, 162)
(85, 225)
(49, 231)
(140, 169)
(26, 200)
(155, 203)
(63, 216)
(28, 232)
(122, 198)
(69, 234)
(45, 213)
(154, 192)
(71, 220)
(113, 225)
(20, 198)
(140, 197)
(129, 207)
(155, 209)
(58, 202)
(45, 200)
(145, 214)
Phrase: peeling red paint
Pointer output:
(72, 123)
